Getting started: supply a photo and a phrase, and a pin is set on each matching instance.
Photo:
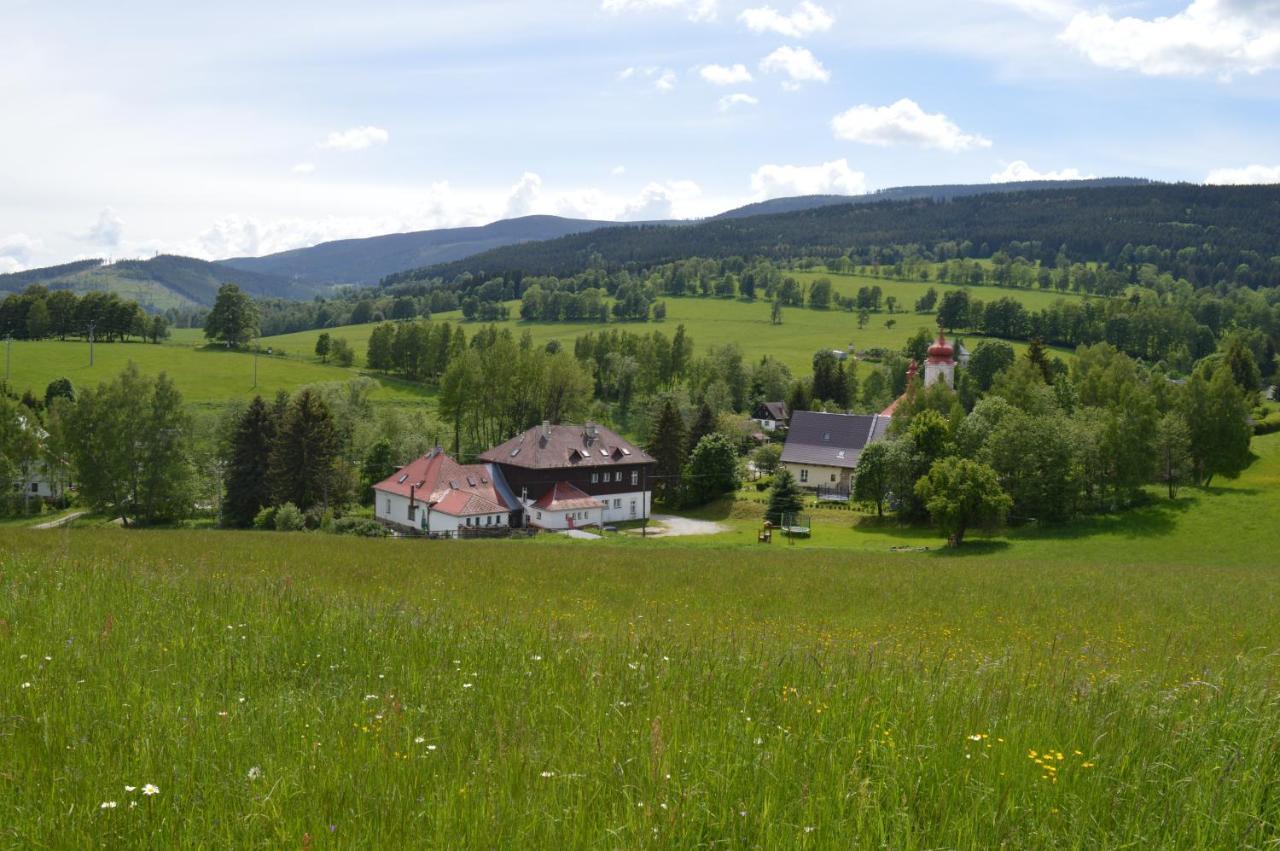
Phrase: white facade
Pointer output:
(768, 425)
(574, 518)
(394, 508)
(935, 372)
(37, 484)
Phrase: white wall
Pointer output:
(818, 476)
(394, 508)
(544, 519)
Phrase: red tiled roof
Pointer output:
(566, 446)
(437, 480)
(565, 497)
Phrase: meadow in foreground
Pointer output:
(307, 690)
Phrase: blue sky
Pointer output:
(226, 129)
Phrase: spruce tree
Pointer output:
(248, 484)
(667, 447)
(304, 455)
(785, 500)
(704, 425)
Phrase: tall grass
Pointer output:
(295, 690)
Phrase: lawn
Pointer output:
(204, 375)
(711, 321)
(1108, 684)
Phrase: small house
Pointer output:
(771, 416)
(438, 496)
(822, 450)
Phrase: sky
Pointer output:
(230, 129)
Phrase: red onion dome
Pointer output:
(941, 351)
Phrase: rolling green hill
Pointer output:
(204, 375)
(712, 321)
(159, 283)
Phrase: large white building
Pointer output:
(436, 495)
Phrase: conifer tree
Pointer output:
(304, 455)
(785, 499)
(704, 425)
(248, 488)
(667, 447)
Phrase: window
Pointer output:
(617, 503)
(833, 477)
(35, 487)
(617, 477)
(804, 474)
(539, 515)
(413, 512)
(595, 478)
(635, 478)
(488, 521)
(387, 508)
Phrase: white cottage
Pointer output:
(437, 495)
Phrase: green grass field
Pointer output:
(712, 321)
(204, 375)
(1111, 684)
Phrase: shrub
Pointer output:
(764, 483)
(362, 526)
(266, 518)
(289, 518)
(1269, 425)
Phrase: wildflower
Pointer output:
(131, 788)
(808, 828)
(417, 740)
(150, 789)
(976, 737)
(466, 685)
(255, 772)
(535, 657)
(107, 805)
(548, 774)
(431, 747)
(759, 741)
(26, 685)
(133, 804)
(370, 697)
(222, 714)
(48, 658)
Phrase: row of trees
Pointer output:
(38, 313)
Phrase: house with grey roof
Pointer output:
(822, 450)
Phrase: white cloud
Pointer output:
(524, 196)
(782, 181)
(903, 123)
(618, 170)
(694, 10)
(355, 138)
(15, 252)
(797, 63)
(668, 200)
(725, 75)
(107, 231)
(1248, 174)
(663, 79)
(303, 168)
(804, 19)
(1222, 37)
(1020, 170)
(728, 102)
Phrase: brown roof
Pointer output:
(556, 447)
(457, 489)
(563, 496)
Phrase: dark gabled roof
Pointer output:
(831, 440)
(771, 411)
(558, 447)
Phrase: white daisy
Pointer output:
(150, 789)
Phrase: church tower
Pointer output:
(941, 365)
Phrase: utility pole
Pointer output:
(8, 356)
(255, 368)
(91, 324)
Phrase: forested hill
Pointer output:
(365, 261)
(1222, 226)
(941, 192)
(159, 283)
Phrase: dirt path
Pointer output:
(675, 527)
(61, 521)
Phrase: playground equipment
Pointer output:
(765, 535)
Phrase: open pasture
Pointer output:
(204, 375)
(715, 322)
(318, 691)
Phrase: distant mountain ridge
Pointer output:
(161, 282)
(367, 260)
(940, 192)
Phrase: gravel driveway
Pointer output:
(675, 527)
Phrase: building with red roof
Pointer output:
(435, 494)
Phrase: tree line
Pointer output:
(38, 313)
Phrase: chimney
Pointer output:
(546, 428)
(592, 431)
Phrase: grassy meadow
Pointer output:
(1111, 684)
(203, 374)
(713, 321)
